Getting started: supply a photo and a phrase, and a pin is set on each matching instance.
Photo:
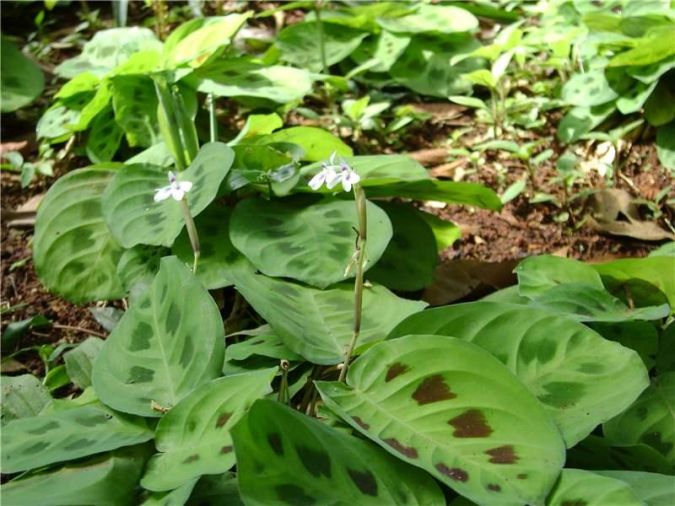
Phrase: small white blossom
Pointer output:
(176, 189)
(335, 172)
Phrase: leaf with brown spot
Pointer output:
(503, 455)
(197, 430)
(454, 402)
(432, 389)
(394, 370)
(321, 463)
(579, 488)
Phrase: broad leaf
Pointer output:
(80, 361)
(298, 43)
(285, 457)
(104, 138)
(376, 170)
(471, 194)
(576, 486)
(135, 104)
(652, 488)
(432, 18)
(22, 396)
(218, 256)
(317, 143)
(317, 324)
(176, 497)
(106, 480)
(572, 370)
(135, 218)
(311, 243)
(538, 274)
(75, 256)
(263, 342)
(162, 348)
(409, 261)
(137, 268)
(588, 89)
(22, 80)
(37, 441)
(194, 437)
(449, 407)
(216, 489)
(649, 420)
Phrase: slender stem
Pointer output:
(322, 45)
(165, 102)
(360, 199)
(192, 232)
(79, 329)
(186, 126)
(283, 388)
(213, 124)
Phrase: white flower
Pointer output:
(176, 189)
(335, 172)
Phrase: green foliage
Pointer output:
(22, 396)
(583, 487)
(305, 460)
(80, 361)
(21, 79)
(160, 350)
(491, 453)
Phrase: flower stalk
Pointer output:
(192, 233)
(360, 258)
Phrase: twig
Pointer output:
(79, 329)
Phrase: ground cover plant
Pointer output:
(234, 205)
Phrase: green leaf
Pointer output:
(576, 486)
(29, 443)
(135, 218)
(665, 146)
(317, 143)
(162, 348)
(581, 120)
(264, 342)
(194, 437)
(135, 104)
(317, 324)
(216, 489)
(231, 78)
(200, 45)
(452, 409)
(379, 55)
(22, 396)
(178, 496)
(471, 194)
(572, 370)
(652, 488)
(57, 123)
(637, 335)
(21, 79)
(137, 268)
(432, 18)
(409, 261)
(80, 361)
(537, 275)
(298, 43)
(474, 102)
(104, 139)
(306, 462)
(376, 170)
(106, 480)
(313, 244)
(653, 48)
(108, 49)
(649, 420)
(633, 100)
(218, 256)
(74, 254)
(588, 89)
(660, 107)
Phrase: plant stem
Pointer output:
(165, 102)
(213, 124)
(360, 200)
(192, 232)
(283, 396)
(322, 45)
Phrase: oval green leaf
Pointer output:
(571, 369)
(194, 437)
(306, 462)
(311, 243)
(581, 487)
(162, 348)
(451, 408)
(75, 256)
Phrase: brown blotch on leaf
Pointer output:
(191, 458)
(522, 476)
(317, 462)
(226, 449)
(274, 439)
(408, 451)
(453, 472)
(502, 455)
(494, 487)
(361, 423)
(432, 389)
(222, 420)
(364, 480)
(395, 370)
(471, 423)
